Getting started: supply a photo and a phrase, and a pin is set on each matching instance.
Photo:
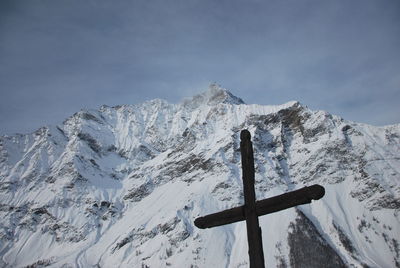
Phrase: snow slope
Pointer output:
(121, 187)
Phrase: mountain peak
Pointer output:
(217, 94)
(214, 95)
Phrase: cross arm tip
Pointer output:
(199, 223)
(316, 191)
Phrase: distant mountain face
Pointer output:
(121, 187)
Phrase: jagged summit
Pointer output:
(215, 94)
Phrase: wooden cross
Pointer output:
(252, 209)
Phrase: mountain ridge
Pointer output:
(121, 186)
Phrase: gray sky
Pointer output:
(59, 56)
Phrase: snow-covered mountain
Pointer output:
(121, 187)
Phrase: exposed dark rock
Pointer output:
(293, 118)
(105, 204)
(94, 163)
(387, 201)
(168, 226)
(307, 247)
(139, 235)
(91, 142)
(50, 179)
(363, 225)
(77, 179)
(189, 164)
(61, 131)
(89, 116)
(368, 189)
(137, 194)
(393, 245)
(346, 242)
(40, 263)
(111, 148)
(179, 237)
(346, 128)
(143, 152)
(349, 130)
(8, 186)
(221, 185)
(40, 211)
(280, 259)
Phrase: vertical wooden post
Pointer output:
(256, 253)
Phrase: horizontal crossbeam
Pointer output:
(263, 207)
